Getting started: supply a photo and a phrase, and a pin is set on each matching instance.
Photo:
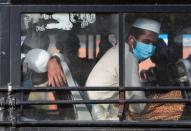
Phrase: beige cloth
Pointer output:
(161, 111)
(47, 96)
(106, 73)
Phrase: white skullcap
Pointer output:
(147, 24)
(37, 60)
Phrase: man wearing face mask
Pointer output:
(140, 46)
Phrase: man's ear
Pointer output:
(131, 41)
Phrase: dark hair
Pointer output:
(136, 32)
(68, 43)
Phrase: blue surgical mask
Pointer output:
(143, 51)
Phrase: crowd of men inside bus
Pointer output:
(56, 60)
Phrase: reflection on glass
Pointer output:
(186, 40)
(164, 37)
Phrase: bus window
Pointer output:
(151, 37)
(61, 49)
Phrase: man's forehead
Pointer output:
(149, 35)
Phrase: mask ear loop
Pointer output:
(134, 45)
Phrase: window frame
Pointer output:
(4, 45)
(15, 79)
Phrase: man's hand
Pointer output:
(55, 74)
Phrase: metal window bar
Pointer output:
(122, 106)
(145, 88)
(61, 123)
(45, 89)
(43, 102)
(97, 101)
(122, 123)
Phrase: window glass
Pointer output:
(155, 41)
(186, 44)
(61, 49)
(164, 37)
(84, 48)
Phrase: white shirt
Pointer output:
(106, 73)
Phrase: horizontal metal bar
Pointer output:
(118, 8)
(145, 88)
(110, 128)
(40, 102)
(5, 123)
(103, 123)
